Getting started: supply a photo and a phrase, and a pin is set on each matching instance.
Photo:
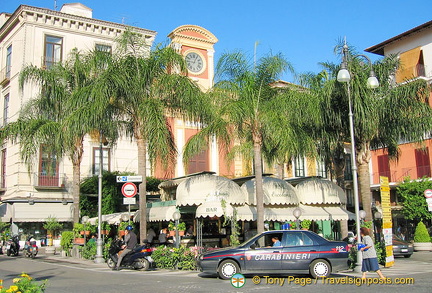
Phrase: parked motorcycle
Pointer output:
(30, 247)
(12, 246)
(137, 259)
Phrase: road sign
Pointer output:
(129, 189)
(129, 200)
(129, 179)
(428, 193)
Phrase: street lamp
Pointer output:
(176, 216)
(372, 82)
(362, 215)
(297, 213)
(99, 242)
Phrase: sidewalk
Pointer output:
(419, 262)
(72, 260)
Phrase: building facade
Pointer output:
(42, 37)
(414, 48)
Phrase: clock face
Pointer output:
(194, 62)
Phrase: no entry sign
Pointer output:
(129, 189)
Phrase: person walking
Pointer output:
(370, 260)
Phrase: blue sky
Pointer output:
(306, 32)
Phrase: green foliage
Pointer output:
(381, 252)
(66, 241)
(25, 284)
(421, 234)
(4, 231)
(77, 228)
(90, 227)
(352, 257)
(366, 224)
(52, 225)
(123, 225)
(306, 224)
(89, 250)
(181, 226)
(182, 258)
(106, 248)
(412, 195)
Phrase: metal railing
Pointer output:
(48, 180)
(413, 172)
(5, 74)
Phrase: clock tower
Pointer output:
(196, 45)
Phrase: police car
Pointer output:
(280, 251)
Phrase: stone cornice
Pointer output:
(64, 19)
(178, 34)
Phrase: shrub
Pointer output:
(421, 233)
(381, 252)
(305, 224)
(89, 250)
(24, 283)
(66, 241)
(171, 258)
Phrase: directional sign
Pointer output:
(129, 179)
(129, 189)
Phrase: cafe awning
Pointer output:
(320, 191)
(245, 213)
(276, 192)
(202, 188)
(213, 209)
(339, 213)
(112, 219)
(157, 214)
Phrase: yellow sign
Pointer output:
(387, 220)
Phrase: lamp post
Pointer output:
(99, 243)
(372, 82)
(362, 215)
(378, 217)
(176, 216)
(297, 213)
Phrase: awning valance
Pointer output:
(203, 188)
(245, 213)
(112, 219)
(39, 212)
(276, 192)
(213, 209)
(339, 213)
(320, 191)
(157, 214)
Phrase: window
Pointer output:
(103, 48)
(8, 61)
(321, 168)
(384, 166)
(199, 162)
(53, 50)
(350, 197)
(3, 169)
(298, 239)
(6, 109)
(411, 65)
(348, 168)
(299, 167)
(105, 160)
(422, 162)
(48, 168)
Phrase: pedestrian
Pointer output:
(151, 234)
(163, 236)
(370, 260)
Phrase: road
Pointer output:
(64, 276)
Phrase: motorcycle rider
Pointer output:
(130, 240)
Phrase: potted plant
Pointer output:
(52, 226)
(66, 242)
(422, 238)
(172, 228)
(105, 228)
(122, 227)
(305, 224)
(78, 236)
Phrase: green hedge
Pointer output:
(182, 258)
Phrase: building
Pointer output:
(414, 48)
(39, 36)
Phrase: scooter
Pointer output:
(137, 259)
(31, 249)
(12, 246)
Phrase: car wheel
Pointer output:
(227, 269)
(111, 263)
(144, 264)
(407, 255)
(320, 268)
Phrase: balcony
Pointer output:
(51, 182)
(413, 172)
(5, 75)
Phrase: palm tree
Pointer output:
(382, 117)
(62, 114)
(247, 111)
(148, 86)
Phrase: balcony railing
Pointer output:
(413, 172)
(5, 75)
(47, 181)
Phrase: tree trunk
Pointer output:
(259, 187)
(76, 179)
(338, 161)
(363, 157)
(142, 170)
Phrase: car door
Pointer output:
(298, 251)
(262, 255)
